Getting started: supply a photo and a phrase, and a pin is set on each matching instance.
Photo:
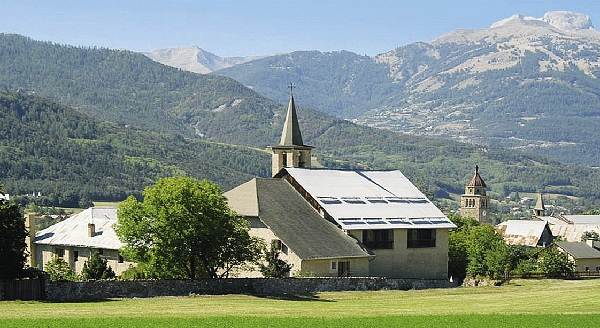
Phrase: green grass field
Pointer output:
(522, 303)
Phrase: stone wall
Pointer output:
(92, 290)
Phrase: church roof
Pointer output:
(522, 232)
(291, 135)
(281, 208)
(539, 204)
(74, 230)
(358, 199)
(476, 180)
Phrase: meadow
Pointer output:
(522, 303)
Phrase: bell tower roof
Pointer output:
(291, 135)
(539, 204)
(476, 180)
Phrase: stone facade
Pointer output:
(294, 156)
(93, 290)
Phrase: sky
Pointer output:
(261, 27)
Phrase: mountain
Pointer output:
(195, 59)
(523, 83)
(70, 157)
(188, 114)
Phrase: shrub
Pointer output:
(137, 272)
(274, 267)
(96, 268)
(59, 270)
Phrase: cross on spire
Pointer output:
(291, 86)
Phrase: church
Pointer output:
(329, 222)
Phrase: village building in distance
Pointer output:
(342, 222)
(585, 255)
(76, 238)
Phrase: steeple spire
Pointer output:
(291, 135)
(291, 150)
(540, 208)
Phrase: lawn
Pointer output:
(522, 303)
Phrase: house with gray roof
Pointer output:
(76, 238)
(329, 222)
(585, 255)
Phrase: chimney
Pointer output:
(91, 229)
(30, 221)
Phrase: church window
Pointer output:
(75, 256)
(333, 265)
(284, 159)
(60, 252)
(420, 238)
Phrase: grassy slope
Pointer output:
(522, 303)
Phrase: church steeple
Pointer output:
(291, 150)
(539, 209)
(291, 135)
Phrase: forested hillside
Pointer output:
(71, 158)
(171, 116)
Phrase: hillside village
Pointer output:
(334, 223)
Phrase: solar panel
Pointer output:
(420, 222)
(354, 201)
(329, 200)
(398, 200)
(398, 222)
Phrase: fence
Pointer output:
(23, 289)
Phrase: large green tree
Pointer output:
(12, 239)
(184, 228)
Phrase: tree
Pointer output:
(59, 270)
(274, 267)
(96, 268)
(12, 240)
(184, 228)
(555, 264)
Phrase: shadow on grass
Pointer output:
(103, 300)
(293, 297)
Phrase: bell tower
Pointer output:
(474, 202)
(291, 150)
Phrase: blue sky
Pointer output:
(231, 28)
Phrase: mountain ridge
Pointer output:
(195, 59)
(522, 84)
(130, 90)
